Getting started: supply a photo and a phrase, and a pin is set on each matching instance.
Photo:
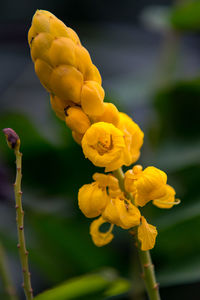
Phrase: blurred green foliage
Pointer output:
(186, 16)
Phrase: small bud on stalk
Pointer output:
(12, 138)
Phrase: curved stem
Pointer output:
(144, 256)
(20, 228)
(5, 276)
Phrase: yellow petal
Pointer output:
(92, 200)
(167, 200)
(147, 235)
(149, 185)
(133, 138)
(122, 213)
(100, 238)
(105, 180)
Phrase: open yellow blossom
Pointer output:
(110, 114)
(104, 144)
(122, 212)
(146, 185)
(147, 235)
(100, 238)
(63, 65)
(133, 138)
(92, 199)
(77, 120)
(168, 199)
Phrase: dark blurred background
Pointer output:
(148, 53)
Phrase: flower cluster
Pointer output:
(109, 138)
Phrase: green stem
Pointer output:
(5, 276)
(23, 253)
(149, 275)
(144, 256)
(119, 174)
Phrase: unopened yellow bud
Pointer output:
(77, 137)
(92, 97)
(66, 82)
(147, 235)
(122, 212)
(62, 52)
(44, 72)
(92, 200)
(103, 144)
(133, 138)
(84, 62)
(93, 75)
(40, 47)
(100, 238)
(59, 106)
(110, 114)
(77, 120)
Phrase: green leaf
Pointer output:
(91, 286)
(120, 286)
(186, 16)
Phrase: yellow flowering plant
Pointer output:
(109, 139)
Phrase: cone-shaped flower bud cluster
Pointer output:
(64, 66)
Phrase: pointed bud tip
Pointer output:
(12, 138)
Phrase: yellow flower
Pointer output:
(63, 65)
(133, 138)
(77, 120)
(168, 199)
(147, 235)
(147, 185)
(110, 114)
(121, 212)
(104, 144)
(100, 238)
(92, 199)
